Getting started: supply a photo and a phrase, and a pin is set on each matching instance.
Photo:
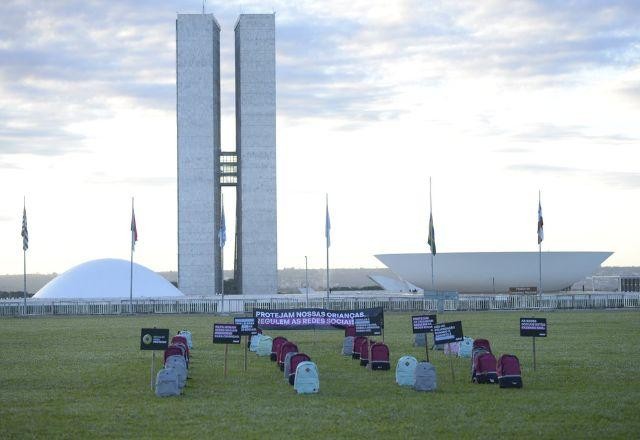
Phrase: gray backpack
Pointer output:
(167, 383)
(287, 364)
(347, 346)
(420, 340)
(180, 365)
(425, 374)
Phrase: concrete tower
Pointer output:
(256, 216)
(198, 124)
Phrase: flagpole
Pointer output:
(306, 276)
(327, 227)
(431, 215)
(539, 251)
(24, 254)
(221, 251)
(131, 263)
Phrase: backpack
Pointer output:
(175, 350)
(484, 368)
(509, 373)
(287, 364)
(405, 371)
(425, 377)
(180, 366)
(420, 340)
(296, 360)
(282, 352)
(465, 348)
(307, 380)
(264, 346)
(380, 357)
(250, 338)
(181, 340)
(253, 342)
(347, 346)
(482, 343)
(357, 342)
(275, 347)
(364, 353)
(350, 330)
(167, 383)
(187, 335)
(452, 349)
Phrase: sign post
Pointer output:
(533, 327)
(423, 324)
(226, 334)
(446, 333)
(248, 327)
(154, 339)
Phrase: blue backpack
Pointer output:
(405, 371)
(264, 346)
(167, 383)
(253, 342)
(466, 347)
(307, 380)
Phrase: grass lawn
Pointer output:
(83, 377)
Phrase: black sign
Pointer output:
(367, 327)
(154, 338)
(423, 323)
(448, 332)
(247, 325)
(226, 334)
(536, 327)
(314, 318)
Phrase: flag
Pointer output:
(431, 241)
(540, 224)
(327, 226)
(222, 233)
(134, 230)
(25, 232)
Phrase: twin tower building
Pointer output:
(204, 169)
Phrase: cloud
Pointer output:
(624, 180)
(546, 132)
(103, 179)
(349, 61)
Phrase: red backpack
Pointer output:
(295, 360)
(350, 330)
(182, 340)
(284, 349)
(509, 373)
(175, 350)
(482, 343)
(357, 343)
(484, 368)
(380, 356)
(275, 346)
(364, 353)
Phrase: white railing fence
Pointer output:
(15, 307)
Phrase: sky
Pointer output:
(494, 100)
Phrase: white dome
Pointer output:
(107, 278)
